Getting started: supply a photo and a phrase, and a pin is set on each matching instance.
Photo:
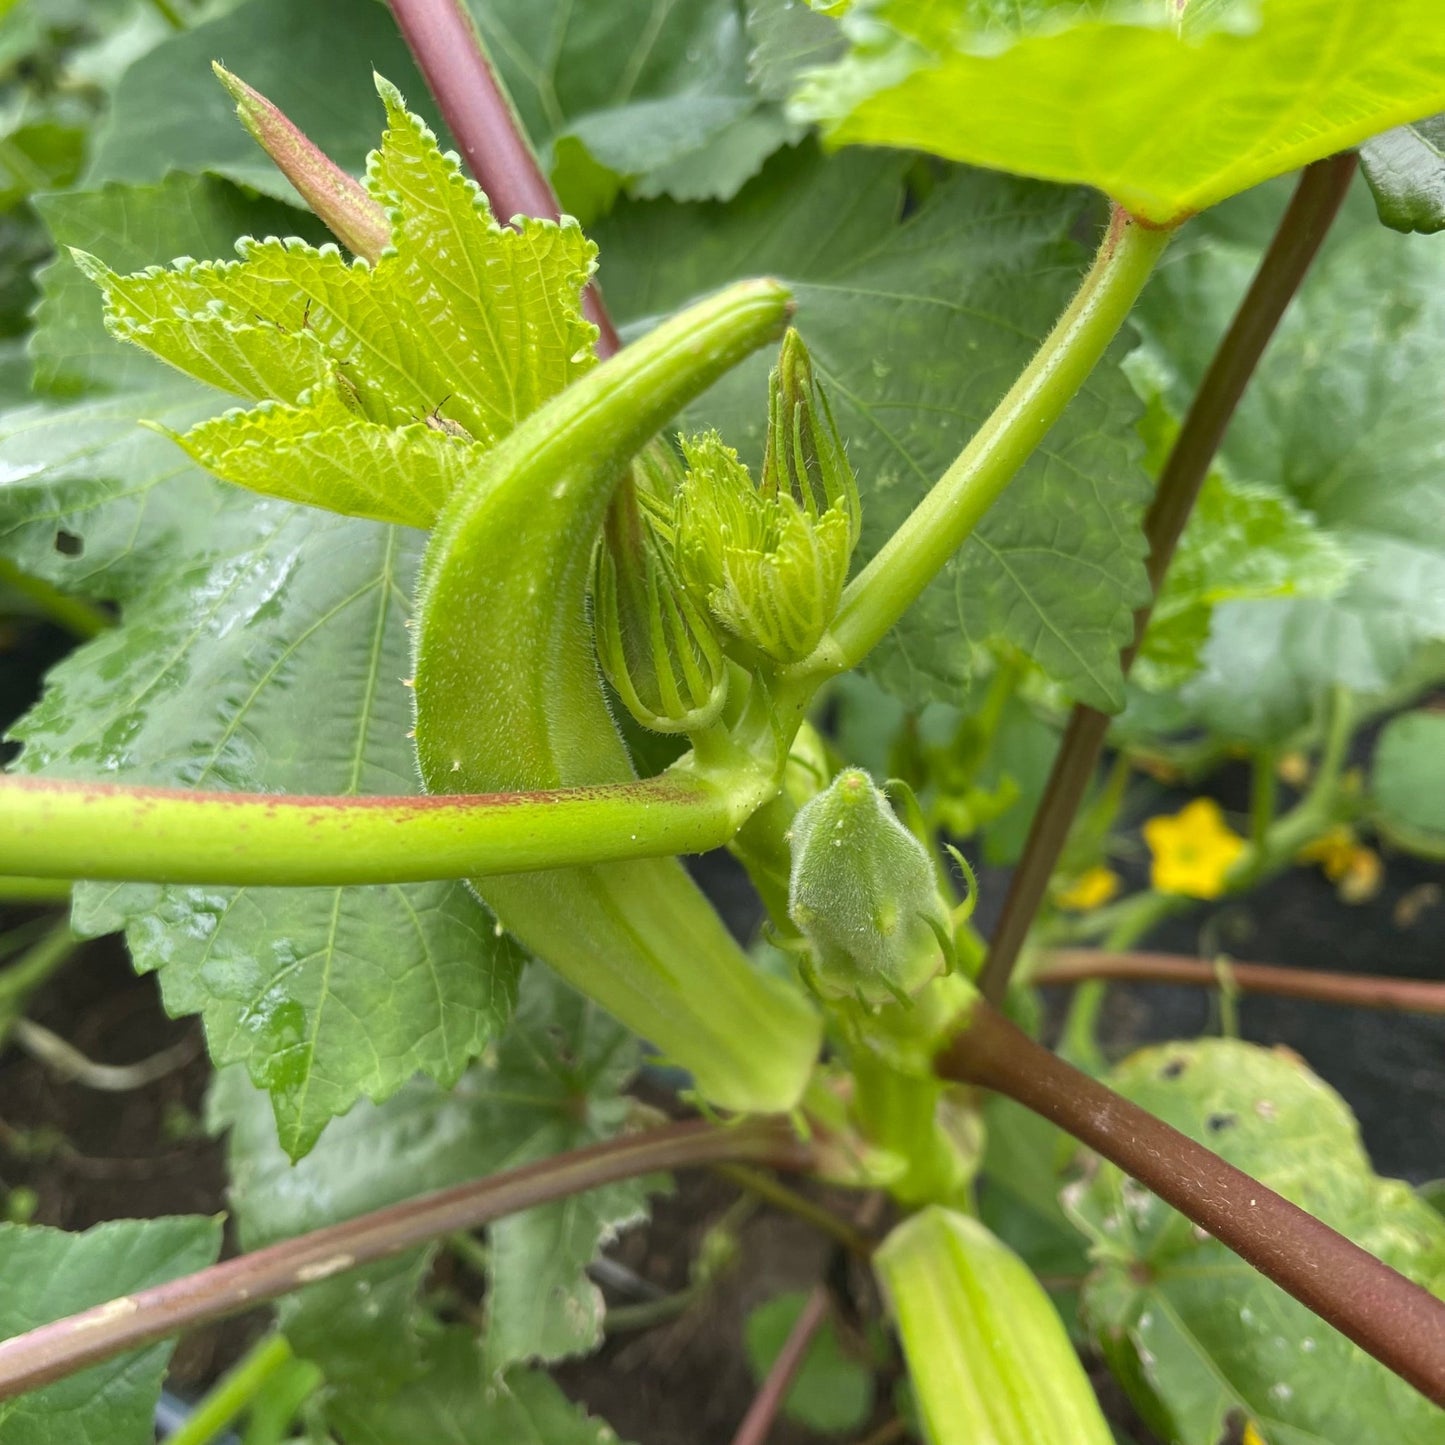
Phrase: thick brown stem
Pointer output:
(1353, 990)
(67, 1345)
(758, 1422)
(1395, 1320)
(1316, 202)
(450, 55)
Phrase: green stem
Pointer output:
(943, 520)
(776, 1193)
(56, 829)
(1263, 795)
(1301, 231)
(169, 14)
(17, 888)
(20, 979)
(75, 614)
(234, 1391)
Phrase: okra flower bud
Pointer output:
(656, 645)
(769, 561)
(864, 894)
(988, 1355)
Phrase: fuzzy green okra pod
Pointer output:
(509, 698)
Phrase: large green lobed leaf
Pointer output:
(1196, 1335)
(1166, 107)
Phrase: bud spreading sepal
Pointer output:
(657, 647)
(864, 894)
(770, 561)
(988, 1355)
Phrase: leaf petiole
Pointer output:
(55, 829)
(944, 519)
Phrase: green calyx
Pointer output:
(657, 646)
(770, 561)
(864, 894)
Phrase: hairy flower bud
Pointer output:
(655, 643)
(864, 894)
(769, 561)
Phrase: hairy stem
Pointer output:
(450, 54)
(1302, 229)
(1352, 990)
(56, 829)
(61, 1348)
(1394, 1319)
(943, 520)
(769, 1400)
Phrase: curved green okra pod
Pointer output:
(988, 1355)
(508, 698)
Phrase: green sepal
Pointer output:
(864, 893)
(987, 1353)
(770, 561)
(657, 647)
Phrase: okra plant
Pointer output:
(728, 446)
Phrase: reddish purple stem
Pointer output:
(478, 112)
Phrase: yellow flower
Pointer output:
(1252, 1435)
(1355, 869)
(1193, 851)
(1091, 889)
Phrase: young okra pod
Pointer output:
(508, 698)
(988, 1355)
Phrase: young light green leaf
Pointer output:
(1092, 94)
(199, 319)
(916, 328)
(1194, 1333)
(458, 1399)
(500, 306)
(1406, 170)
(462, 312)
(132, 226)
(1407, 780)
(49, 1274)
(553, 1083)
(327, 456)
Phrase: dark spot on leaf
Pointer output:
(68, 544)
(1234, 1427)
(1218, 1123)
(1173, 1069)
